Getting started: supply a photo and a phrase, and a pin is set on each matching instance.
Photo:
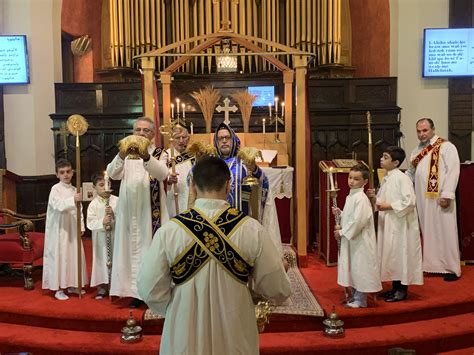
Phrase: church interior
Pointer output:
(331, 83)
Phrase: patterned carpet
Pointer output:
(301, 302)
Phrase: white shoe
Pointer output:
(75, 290)
(60, 295)
(354, 305)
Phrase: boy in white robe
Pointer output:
(398, 234)
(60, 241)
(357, 266)
(210, 311)
(101, 220)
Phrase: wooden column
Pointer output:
(288, 77)
(165, 78)
(301, 184)
(148, 66)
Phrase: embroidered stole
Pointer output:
(432, 185)
(182, 158)
(155, 197)
(211, 239)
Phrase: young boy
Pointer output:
(357, 266)
(60, 244)
(399, 246)
(100, 220)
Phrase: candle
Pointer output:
(192, 128)
(263, 125)
(172, 110)
(269, 110)
(331, 179)
(276, 106)
(106, 181)
(282, 109)
(184, 112)
(177, 107)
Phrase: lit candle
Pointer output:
(184, 112)
(172, 110)
(192, 128)
(263, 124)
(276, 106)
(106, 181)
(331, 179)
(282, 109)
(269, 110)
(177, 107)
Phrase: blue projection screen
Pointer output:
(448, 52)
(265, 95)
(13, 60)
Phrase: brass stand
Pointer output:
(131, 333)
(333, 326)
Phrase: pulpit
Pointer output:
(327, 244)
(466, 222)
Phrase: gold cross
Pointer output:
(225, 14)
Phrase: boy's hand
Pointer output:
(109, 211)
(336, 211)
(383, 206)
(370, 193)
(78, 197)
(337, 234)
(444, 202)
(107, 220)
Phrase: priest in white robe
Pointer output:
(60, 256)
(357, 266)
(207, 303)
(434, 169)
(133, 226)
(398, 234)
(177, 183)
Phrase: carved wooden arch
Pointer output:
(289, 75)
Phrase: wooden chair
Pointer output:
(20, 245)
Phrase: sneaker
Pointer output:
(60, 295)
(75, 290)
(101, 293)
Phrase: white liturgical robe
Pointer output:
(95, 219)
(60, 242)
(398, 234)
(133, 227)
(183, 167)
(358, 266)
(211, 313)
(438, 225)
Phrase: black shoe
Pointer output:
(135, 303)
(450, 277)
(397, 296)
(388, 294)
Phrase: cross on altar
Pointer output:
(226, 110)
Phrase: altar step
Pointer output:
(447, 334)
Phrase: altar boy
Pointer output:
(60, 242)
(398, 234)
(357, 266)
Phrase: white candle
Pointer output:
(263, 125)
(282, 109)
(331, 179)
(276, 106)
(192, 128)
(269, 110)
(184, 112)
(106, 181)
(177, 106)
(172, 110)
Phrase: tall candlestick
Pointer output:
(282, 109)
(184, 112)
(106, 181)
(263, 124)
(331, 180)
(177, 107)
(276, 106)
(192, 128)
(270, 109)
(172, 110)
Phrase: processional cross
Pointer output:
(225, 14)
(226, 110)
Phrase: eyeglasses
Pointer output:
(224, 138)
(146, 130)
